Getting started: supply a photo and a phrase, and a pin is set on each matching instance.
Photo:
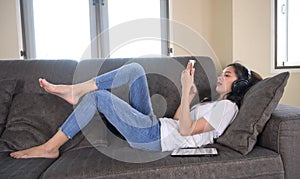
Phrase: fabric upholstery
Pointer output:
(25, 169)
(7, 89)
(90, 163)
(257, 106)
(32, 120)
(27, 72)
(281, 134)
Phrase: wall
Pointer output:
(210, 19)
(222, 38)
(252, 42)
(9, 43)
(237, 30)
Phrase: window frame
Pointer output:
(274, 39)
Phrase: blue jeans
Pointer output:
(135, 121)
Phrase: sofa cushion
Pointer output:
(90, 163)
(7, 88)
(33, 119)
(257, 106)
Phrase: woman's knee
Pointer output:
(137, 68)
(103, 97)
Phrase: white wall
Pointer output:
(252, 42)
(211, 19)
(9, 43)
(237, 30)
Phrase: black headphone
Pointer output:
(239, 86)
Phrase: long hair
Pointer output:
(242, 73)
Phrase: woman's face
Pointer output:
(225, 80)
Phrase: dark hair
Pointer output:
(245, 79)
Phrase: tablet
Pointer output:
(194, 152)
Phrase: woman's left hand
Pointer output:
(193, 92)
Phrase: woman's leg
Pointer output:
(128, 120)
(147, 126)
(132, 74)
(127, 74)
(140, 130)
(70, 93)
(136, 116)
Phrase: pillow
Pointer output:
(7, 88)
(34, 118)
(258, 104)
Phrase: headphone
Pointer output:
(239, 86)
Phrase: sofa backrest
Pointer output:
(163, 74)
(27, 72)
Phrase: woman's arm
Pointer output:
(177, 113)
(187, 126)
(193, 92)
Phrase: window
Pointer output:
(68, 29)
(136, 28)
(287, 36)
(119, 15)
(59, 34)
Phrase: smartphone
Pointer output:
(193, 62)
(189, 152)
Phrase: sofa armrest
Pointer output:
(282, 134)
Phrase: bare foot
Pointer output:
(35, 152)
(66, 92)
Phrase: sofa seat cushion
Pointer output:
(22, 168)
(90, 163)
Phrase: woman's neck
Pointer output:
(221, 97)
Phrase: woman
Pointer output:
(136, 121)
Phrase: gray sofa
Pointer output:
(32, 116)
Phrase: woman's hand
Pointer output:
(193, 92)
(188, 91)
(187, 78)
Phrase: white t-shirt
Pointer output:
(219, 114)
